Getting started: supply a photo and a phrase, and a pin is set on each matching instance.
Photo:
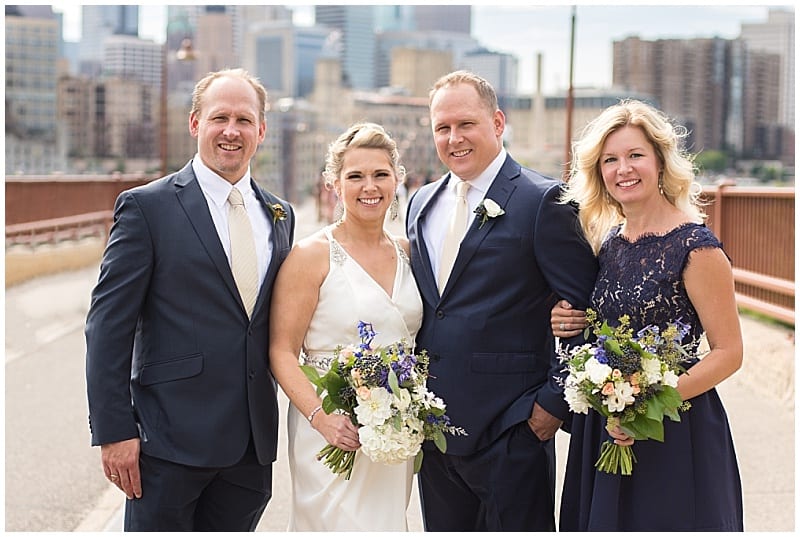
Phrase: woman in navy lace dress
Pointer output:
(658, 263)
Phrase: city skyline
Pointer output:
(526, 31)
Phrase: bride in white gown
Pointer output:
(349, 272)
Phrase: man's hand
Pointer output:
(543, 424)
(121, 466)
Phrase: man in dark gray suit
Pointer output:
(181, 397)
(486, 321)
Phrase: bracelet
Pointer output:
(314, 413)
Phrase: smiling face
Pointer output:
(367, 183)
(228, 127)
(629, 165)
(467, 134)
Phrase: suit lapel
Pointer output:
(280, 237)
(194, 204)
(421, 264)
(500, 191)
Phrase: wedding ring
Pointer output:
(561, 327)
(112, 477)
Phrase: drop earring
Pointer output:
(338, 210)
(394, 208)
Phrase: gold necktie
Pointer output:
(455, 232)
(244, 263)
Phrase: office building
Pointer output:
(445, 18)
(98, 23)
(355, 26)
(456, 44)
(31, 47)
(688, 77)
(776, 36)
(500, 69)
(284, 56)
(414, 71)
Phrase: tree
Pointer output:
(712, 160)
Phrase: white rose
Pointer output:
(670, 379)
(375, 409)
(596, 371)
(652, 370)
(402, 399)
(492, 208)
(576, 400)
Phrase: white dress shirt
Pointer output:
(437, 219)
(216, 190)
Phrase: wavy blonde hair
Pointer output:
(363, 135)
(599, 212)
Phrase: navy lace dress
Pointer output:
(691, 480)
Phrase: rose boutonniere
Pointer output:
(278, 212)
(486, 209)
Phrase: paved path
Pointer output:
(53, 476)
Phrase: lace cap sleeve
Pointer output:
(698, 237)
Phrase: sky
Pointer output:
(526, 31)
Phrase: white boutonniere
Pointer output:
(488, 209)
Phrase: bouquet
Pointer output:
(384, 392)
(630, 379)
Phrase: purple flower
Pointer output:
(600, 350)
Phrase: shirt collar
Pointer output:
(484, 181)
(217, 188)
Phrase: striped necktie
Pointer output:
(455, 232)
(244, 263)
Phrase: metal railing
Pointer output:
(755, 224)
(95, 224)
(757, 228)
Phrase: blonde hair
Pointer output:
(599, 212)
(485, 90)
(201, 87)
(361, 135)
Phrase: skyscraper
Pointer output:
(31, 43)
(284, 56)
(776, 36)
(356, 27)
(99, 22)
(444, 18)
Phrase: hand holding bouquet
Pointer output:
(384, 392)
(630, 379)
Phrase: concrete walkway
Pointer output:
(53, 476)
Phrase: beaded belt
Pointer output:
(321, 362)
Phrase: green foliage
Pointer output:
(712, 160)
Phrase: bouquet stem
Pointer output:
(337, 459)
(615, 459)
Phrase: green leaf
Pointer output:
(393, 384)
(418, 461)
(312, 375)
(670, 397)
(645, 428)
(397, 422)
(328, 405)
(613, 346)
(440, 440)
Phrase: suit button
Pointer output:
(440, 314)
(252, 374)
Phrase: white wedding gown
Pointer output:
(376, 496)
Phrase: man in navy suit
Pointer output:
(181, 398)
(487, 325)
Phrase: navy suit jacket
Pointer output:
(488, 334)
(171, 356)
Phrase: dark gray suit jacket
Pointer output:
(171, 356)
